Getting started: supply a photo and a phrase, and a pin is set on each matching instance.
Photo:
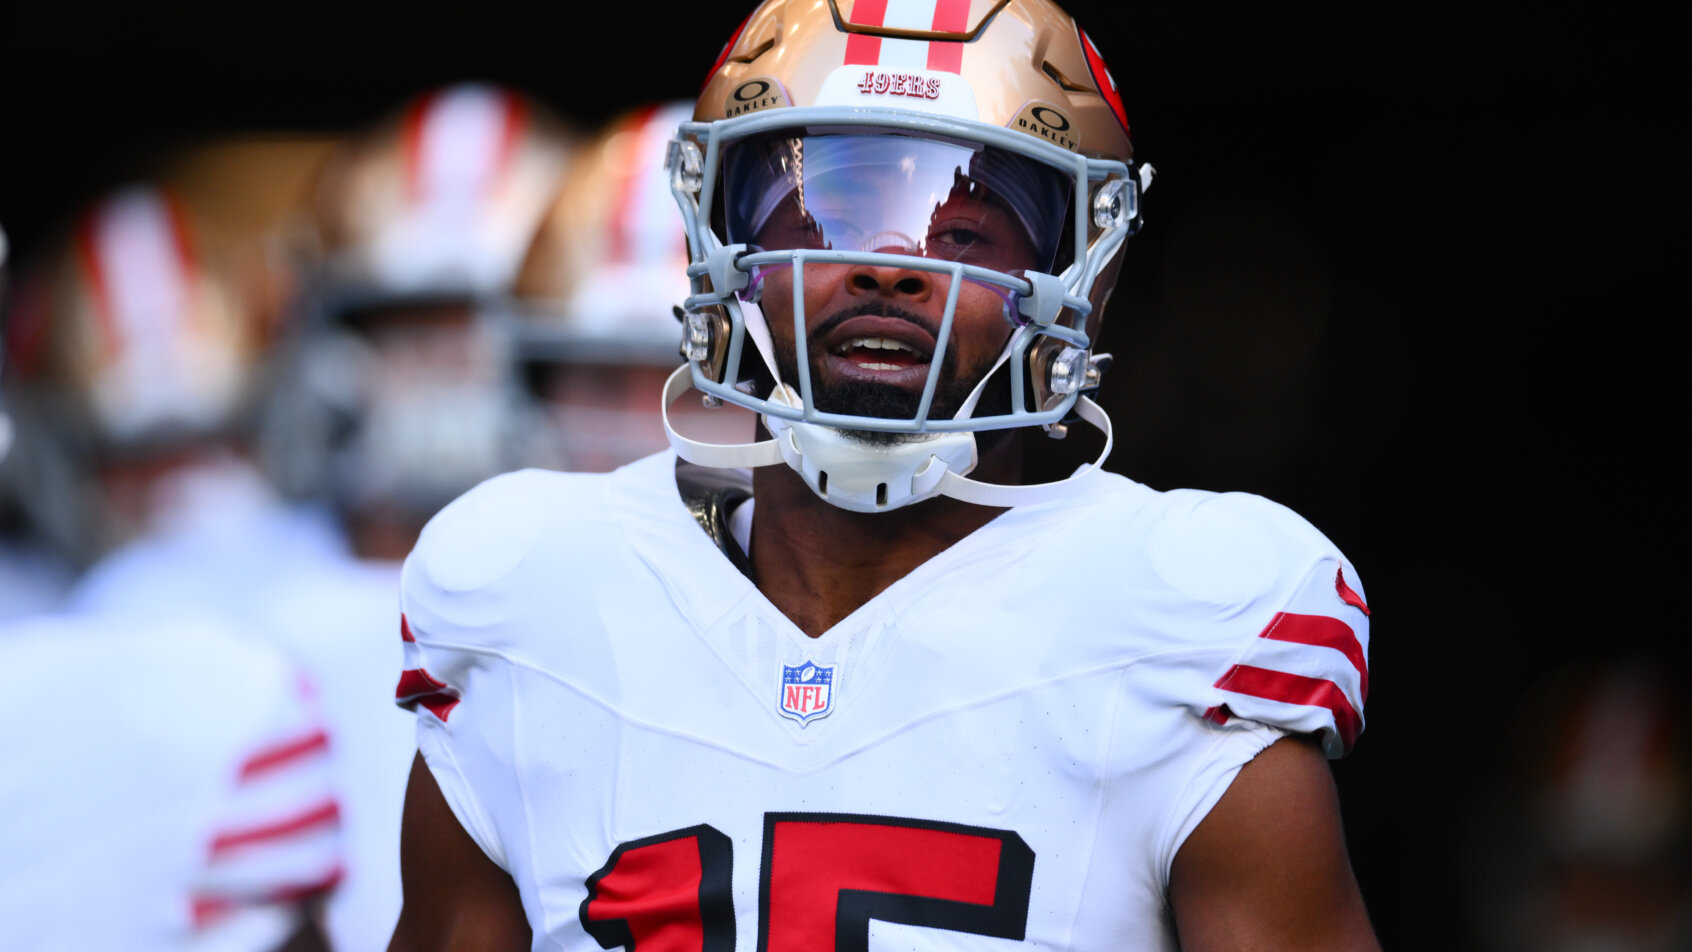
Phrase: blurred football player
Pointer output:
(137, 359)
(400, 396)
(1587, 849)
(167, 786)
(594, 331)
(396, 397)
(898, 697)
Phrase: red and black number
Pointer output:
(665, 893)
(824, 877)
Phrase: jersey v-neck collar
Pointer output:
(713, 586)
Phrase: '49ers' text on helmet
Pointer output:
(859, 133)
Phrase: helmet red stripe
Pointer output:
(950, 16)
(93, 269)
(411, 144)
(1104, 81)
(516, 122)
(629, 178)
(862, 49)
(723, 54)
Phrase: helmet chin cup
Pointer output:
(852, 473)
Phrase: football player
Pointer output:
(593, 328)
(399, 396)
(897, 697)
(414, 224)
(167, 786)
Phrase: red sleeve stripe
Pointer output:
(417, 686)
(1326, 632)
(1347, 595)
(210, 908)
(326, 813)
(405, 631)
(283, 754)
(1295, 689)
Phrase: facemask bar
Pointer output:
(1042, 299)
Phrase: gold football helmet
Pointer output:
(860, 133)
(135, 341)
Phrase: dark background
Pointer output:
(1415, 272)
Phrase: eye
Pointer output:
(963, 239)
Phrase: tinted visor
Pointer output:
(895, 194)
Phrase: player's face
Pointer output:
(871, 332)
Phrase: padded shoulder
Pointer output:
(1280, 599)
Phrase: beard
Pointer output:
(884, 401)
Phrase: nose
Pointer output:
(907, 283)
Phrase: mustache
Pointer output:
(866, 309)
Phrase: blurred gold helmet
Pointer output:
(594, 326)
(867, 122)
(398, 394)
(609, 262)
(439, 201)
(133, 341)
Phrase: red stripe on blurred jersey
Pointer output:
(1295, 689)
(1323, 631)
(863, 50)
(1347, 595)
(282, 754)
(950, 16)
(405, 630)
(326, 813)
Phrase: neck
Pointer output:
(818, 563)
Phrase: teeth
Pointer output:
(875, 343)
(869, 366)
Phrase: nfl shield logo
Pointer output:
(807, 691)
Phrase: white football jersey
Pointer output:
(338, 621)
(227, 541)
(1005, 748)
(166, 787)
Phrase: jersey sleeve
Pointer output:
(462, 580)
(275, 839)
(1306, 670)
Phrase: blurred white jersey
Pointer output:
(226, 541)
(339, 622)
(219, 538)
(167, 787)
(1010, 742)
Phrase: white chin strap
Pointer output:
(873, 477)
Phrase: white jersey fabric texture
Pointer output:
(1015, 740)
(167, 787)
(225, 541)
